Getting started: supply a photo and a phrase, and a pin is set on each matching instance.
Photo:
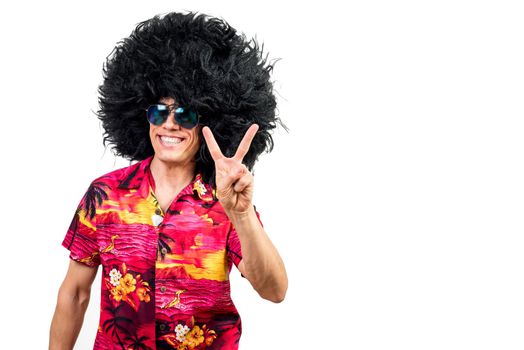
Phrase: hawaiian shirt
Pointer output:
(165, 275)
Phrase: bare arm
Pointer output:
(261, 264)
(73, 299)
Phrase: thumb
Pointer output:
(233, 176)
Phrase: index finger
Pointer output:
(212, 144)
(243, 148)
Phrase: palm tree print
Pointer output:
(163, 240)
(116, 324)
(137, 343)
(95, 195)
(117, 222)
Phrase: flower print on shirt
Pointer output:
(165, 275)
(190, 336)
(124, 286)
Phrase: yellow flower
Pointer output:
(142, 294)
(118, 292)
(194, 338)
(128, 282)
(210, 335)
(200, 188)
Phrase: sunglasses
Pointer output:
(186, 117)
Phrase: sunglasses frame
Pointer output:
(170, 108)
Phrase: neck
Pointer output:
(170, 175)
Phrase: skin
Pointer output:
(72, 302)
(173, 168)
(261, 264)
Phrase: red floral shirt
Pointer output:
(165, 275)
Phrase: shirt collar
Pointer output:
(136, 177)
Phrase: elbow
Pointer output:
(272, 287)
(276, 295)
(278, 298)
(281, 295)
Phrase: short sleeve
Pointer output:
(80, 238)
(234, 250)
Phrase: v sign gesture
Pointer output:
(234, 182)
(261, 263)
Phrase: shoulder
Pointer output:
(125, 177)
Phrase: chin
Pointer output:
(166, 157)
(171, 157)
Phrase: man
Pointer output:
(188, 99)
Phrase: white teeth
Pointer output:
(173, 140)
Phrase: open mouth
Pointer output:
(170, 141)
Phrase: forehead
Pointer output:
(167, 100)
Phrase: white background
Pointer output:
(395, 200)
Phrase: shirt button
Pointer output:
(157, 211)
(162, 327)
(163, 289)
(164, 251)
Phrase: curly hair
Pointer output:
(201, 62)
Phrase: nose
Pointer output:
(170, 122)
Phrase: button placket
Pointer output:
(158, 216)
(157, 219)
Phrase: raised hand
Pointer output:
(234, 182)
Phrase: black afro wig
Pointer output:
(201, 62)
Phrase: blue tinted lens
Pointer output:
(157, 114)
(186, 117)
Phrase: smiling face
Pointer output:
(173, 143)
